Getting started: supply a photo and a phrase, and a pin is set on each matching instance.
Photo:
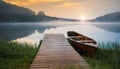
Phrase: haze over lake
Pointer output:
(34, 32)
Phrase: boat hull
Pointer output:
(83, 48)
(83, 44)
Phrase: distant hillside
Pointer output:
(112, 17)
(14, 13)
(68, 19)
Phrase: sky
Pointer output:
(76, 9)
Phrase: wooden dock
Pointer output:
(56, 53)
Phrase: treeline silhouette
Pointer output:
(111, 17)
(14, 13)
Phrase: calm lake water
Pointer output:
(34, 32)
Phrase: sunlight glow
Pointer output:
(82, 18)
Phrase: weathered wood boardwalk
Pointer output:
(56, 53)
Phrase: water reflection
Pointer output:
(112, 27)
(89, 30)
(11, 31)
(31, 39)
(34, 32)
(100, 35)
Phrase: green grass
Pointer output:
(106, 57)
(14, 55)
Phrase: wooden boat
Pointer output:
(83, 44)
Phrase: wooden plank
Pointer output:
(55, 52)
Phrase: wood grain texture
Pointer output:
(56, 53)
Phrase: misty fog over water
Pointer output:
(34, 32)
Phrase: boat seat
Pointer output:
(92, 44)
(77, 37)
(86, 41)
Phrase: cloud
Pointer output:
(30, 2)
(18, 2)
(65, 5)
(53, 3)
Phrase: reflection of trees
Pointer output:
(109, 27)
(11, 31)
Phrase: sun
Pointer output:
(82, 18)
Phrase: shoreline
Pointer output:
(106, 57)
